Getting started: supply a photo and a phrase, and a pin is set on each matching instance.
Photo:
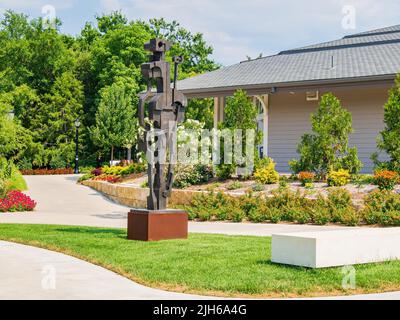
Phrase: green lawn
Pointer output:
(208, 264)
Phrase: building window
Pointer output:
(259, 106)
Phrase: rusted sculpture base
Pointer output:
(156, 225)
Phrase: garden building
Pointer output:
(359, 69)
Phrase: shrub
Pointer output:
(347, 216)
(262, 163)
(386, 179)
(300, 215)
(267, 174)
(10, 178)
(338, 178)
(306, 177)
(124, 171)
(187, 175)
(273, 215)
(321, 215)
(97, 172)
(285, 198)
(380, 207)
(327, 146)
(235, 213)
(283, 182)
(309, 185)
(258, 187)
(389, 138)
(339, 199)
(16, 201)
(86, 177)
(235, 185)
(225, 171)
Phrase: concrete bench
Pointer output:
(336, 248)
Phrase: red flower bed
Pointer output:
(16, 201)
(108, 178)
(42, 172)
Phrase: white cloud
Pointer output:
(110, 5)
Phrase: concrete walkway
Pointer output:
(31, 273)
(62, 201)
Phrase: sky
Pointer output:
(236, 29)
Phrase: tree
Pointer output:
(240, 114)
(327, 147)
(115, 118)
(389, 138)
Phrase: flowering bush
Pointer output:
(338, 178)
(386, 179)
(267, 174)
(97, 172)
(108, 178)
(16, 201)
(306, 177)
(36, 172)
(124, 171)
(187, 175)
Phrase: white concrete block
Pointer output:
(336, 248)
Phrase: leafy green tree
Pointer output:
(240, 114)
(389, 139)
(327, 147)
(115, 118)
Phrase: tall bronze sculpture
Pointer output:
(166, 107)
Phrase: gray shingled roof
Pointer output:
(372, 53)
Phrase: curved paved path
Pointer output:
(33, 273)
(62, 201)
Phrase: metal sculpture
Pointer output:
(166, 108)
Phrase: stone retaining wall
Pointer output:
(136, 197)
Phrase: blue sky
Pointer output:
(234, 28)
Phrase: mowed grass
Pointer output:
(207, 264)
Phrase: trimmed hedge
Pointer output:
(285, 205)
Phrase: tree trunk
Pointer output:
(112, 155)
(129, 154)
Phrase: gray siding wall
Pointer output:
(289, 118)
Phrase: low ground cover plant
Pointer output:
(285, 205)
(11, 185)
(16, 201)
